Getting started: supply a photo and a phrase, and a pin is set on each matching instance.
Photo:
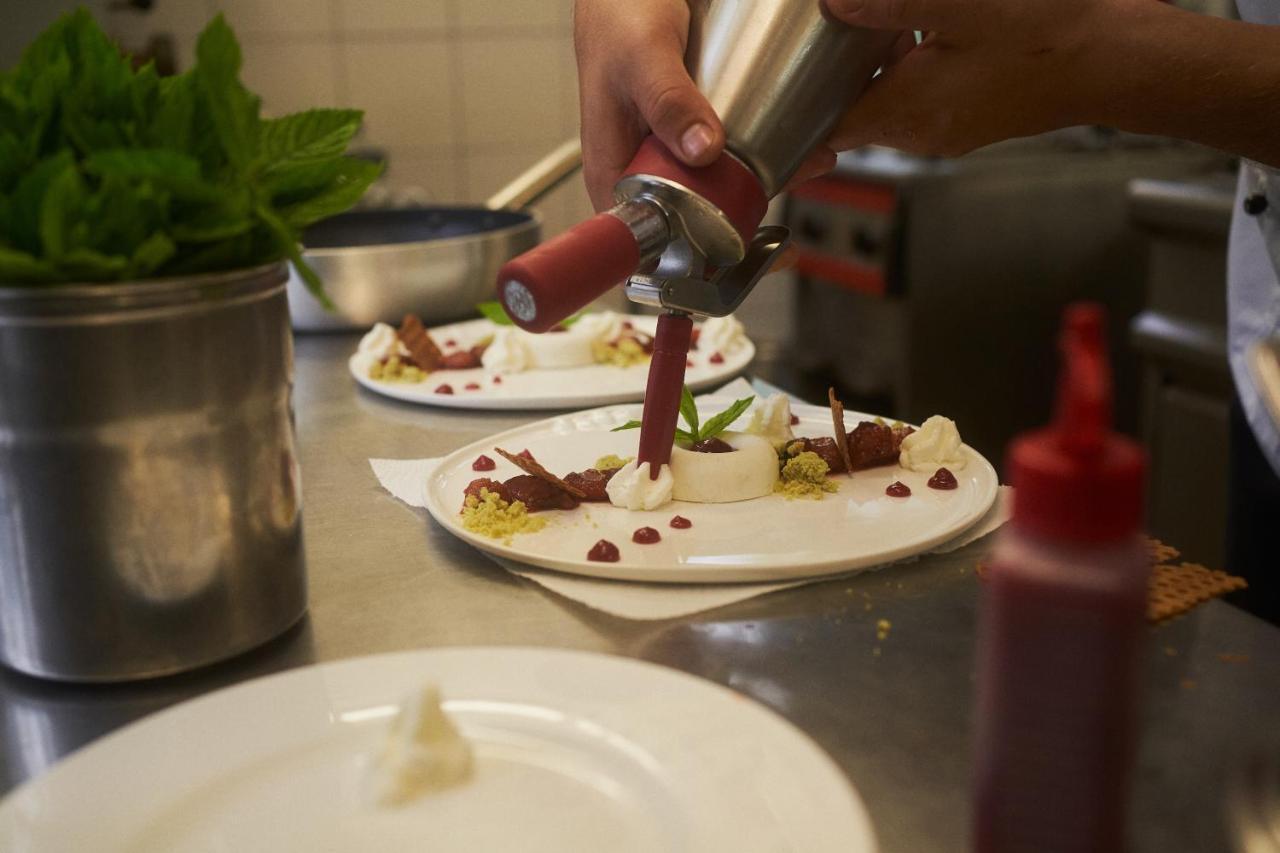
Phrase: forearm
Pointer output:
(1165, 71)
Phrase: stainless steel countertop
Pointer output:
(386, 578)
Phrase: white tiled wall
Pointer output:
(462, 95)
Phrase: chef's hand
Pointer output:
(632, 81)
(987, 70)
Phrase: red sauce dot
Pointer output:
(679, 522)
(943, 480)
(444, 389)
(483, 463)
(497, 380)
(473, 386)
(646, 536)
(451, 343)
(716, 358)
(604, 551)
(795, 419)
(688, 363)
(627, 324)
(898, 490)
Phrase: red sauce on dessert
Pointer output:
(483, 463)
(444, 389)
(712, 445)
(898, 490)
(716, 358)
(473, 386)
(604, 551)
(943, 480)
(646, 536)
(679, 522)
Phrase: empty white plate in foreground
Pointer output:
(564, 388)
(574, 752)
(767, 539)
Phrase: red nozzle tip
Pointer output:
(1084, 390)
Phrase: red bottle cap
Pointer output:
(1077, 481)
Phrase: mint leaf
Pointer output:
(234, 111)
(307, 137)
(689, 411)
(719, 423)
(353, 178)
(497, 315)
(19, 267)
(627, 425)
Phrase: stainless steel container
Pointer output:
(150, 506)
(779, 73)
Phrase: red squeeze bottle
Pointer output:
(1062, 624)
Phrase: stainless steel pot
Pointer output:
(150, 506)
(436, 262)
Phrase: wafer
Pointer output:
(837, 423)
(422, 349)
(529, 465)
(1173, 590)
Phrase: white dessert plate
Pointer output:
(573, 752)
(541, 388)
(767, 539)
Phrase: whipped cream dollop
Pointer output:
(422, 752)
(632, 487)
(935, 445)
(771, 420)
(600, 327)
(509, 351)
(721, 334)
(381, 342)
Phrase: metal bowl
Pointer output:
(435, 262)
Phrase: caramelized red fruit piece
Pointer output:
(898, 490)
(604, 551)
(943, 480)
(537, 494)
(712, 445)
(646, 536)
(474, 487)
(592, 483)
(483, 463)
(679, 522)
(459, 361)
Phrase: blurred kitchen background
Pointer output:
(923, 286)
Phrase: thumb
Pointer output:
(675, 110)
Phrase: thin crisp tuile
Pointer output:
(531, 466)
(837, 423)
(422, 349)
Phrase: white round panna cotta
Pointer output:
(749, 472)
(514, 349)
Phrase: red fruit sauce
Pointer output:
(604, 551)
(444, 389)
(898, 490)
(679, 522)
(943, 480)
(646, 536)
(716, 358)
(473, 386)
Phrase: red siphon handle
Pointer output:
(557, 278)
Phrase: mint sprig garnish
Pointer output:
(109, 174)
(714, 426)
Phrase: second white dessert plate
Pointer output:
(767, 539)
